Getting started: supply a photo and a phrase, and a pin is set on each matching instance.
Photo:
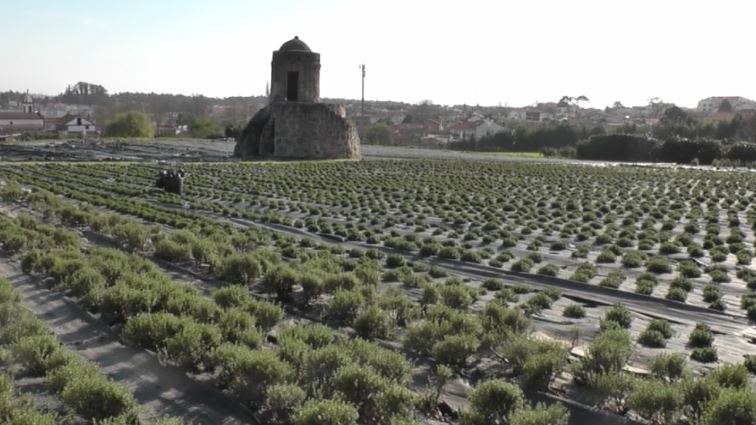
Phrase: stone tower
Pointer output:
(295, 124)
(28, 105)
(295, 73)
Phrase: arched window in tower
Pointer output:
(292, 86)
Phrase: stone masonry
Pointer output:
(295, 125)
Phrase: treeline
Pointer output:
(675, 122)
(529, 139)
(629, 147)
(678, 137)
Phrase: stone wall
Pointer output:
(307, 64)
(312, 131)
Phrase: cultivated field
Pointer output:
(411, 287)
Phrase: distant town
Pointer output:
(83, 110)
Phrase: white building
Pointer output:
(75, 125)
(11, 122)
(487, 128)
(24, 120)
(711, 105)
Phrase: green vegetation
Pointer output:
(669, 230)
(130, 124)
(205, 128)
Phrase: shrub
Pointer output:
(548, 270)
(644, 287)
(266, 314)
(169, 250)
(704, 355)
(235, 323)
(689, 269)
(493, 402)
(151, 330)
(719, 276)
(677, 294)
(608, 353)
(658, 265)
(232, 296)
(681, 283)
(493, 284)
(735, 407)
(455, 296)
(701, 336)
(344, 305)
(541, 367)
(711, 293)
(652, 338)
(326, 412)
(731, 376)
(575, 311)
(387, 363)
(668, 248)
(500, 320)
(633, 259)
(750, 362)
(656, 400)
(394, 261)
(282, 401)
(538, 302)
(96, 397)
(320, 365)
(453, 350)
(662, 326)
(449, 252)
(619, 314)
(613, 280)
(249, 372)
(240, 268)
(192, 346)
(541, 414)
(312, 286)
(359, 386)
(280, 281)
(584, 272)
(373, 322)
(523, 265)
(470, 256)
(606, 256)
(668, 366)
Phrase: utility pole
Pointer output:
(362, 68)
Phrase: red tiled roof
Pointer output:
(466, 125)
(19, 116)
(61, 120)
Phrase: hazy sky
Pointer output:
(451, 52)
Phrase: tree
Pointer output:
(565, 101)
(205, 128)
(130, 124)
(379, 134)
(725, 106)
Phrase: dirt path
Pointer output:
(162, 390)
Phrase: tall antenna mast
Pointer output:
(362, 68)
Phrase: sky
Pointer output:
(475, 52)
